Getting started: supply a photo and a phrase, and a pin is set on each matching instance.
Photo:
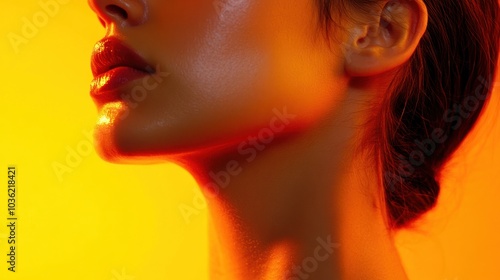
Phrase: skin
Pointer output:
(267, 114)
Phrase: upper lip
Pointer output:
(111, 52)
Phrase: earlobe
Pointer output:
(374, 48)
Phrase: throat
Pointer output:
(308, 208)
(307, 223)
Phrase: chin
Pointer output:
(113, 148)
(123, 143)
(111, 145)
(110, 151)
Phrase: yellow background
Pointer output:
(95, 220)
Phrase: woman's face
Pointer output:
(225, 70)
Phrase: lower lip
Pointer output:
(105, 87)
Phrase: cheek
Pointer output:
(220, 100)
(213, 101)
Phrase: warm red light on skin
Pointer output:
(231, 69)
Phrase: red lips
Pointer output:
(113, 66)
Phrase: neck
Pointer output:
(307, 207)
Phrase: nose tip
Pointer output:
(120, 12)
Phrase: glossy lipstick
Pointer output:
(114, 65)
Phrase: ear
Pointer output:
(386, 42)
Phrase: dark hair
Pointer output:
(433, 101)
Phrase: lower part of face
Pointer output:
(225, 70)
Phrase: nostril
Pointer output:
(116, 10)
